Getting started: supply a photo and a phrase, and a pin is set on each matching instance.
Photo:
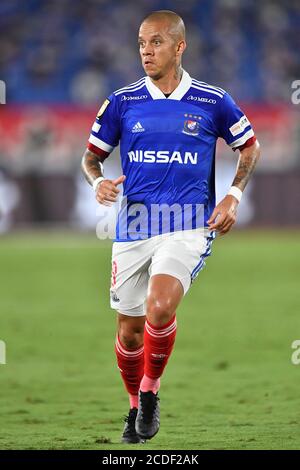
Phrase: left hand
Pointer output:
(224, 215)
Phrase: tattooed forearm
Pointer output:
(91, 166)
(246, 164)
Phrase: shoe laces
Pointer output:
(130, 419)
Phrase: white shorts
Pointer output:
(179, 254)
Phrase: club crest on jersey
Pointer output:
(191, 127)
(103, 108)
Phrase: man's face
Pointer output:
(157, 48)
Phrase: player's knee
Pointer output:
(131, 336)
(159, 311)
(130, 339)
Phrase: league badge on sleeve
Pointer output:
(103, 108)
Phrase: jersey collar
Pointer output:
(177, 94)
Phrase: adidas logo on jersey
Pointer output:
(137, 128)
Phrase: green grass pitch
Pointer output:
(230, 383)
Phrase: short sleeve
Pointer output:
(105, 133)
(233, 125)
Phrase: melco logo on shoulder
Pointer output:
(141, 97)
(203, 100)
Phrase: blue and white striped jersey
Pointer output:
(167, 145)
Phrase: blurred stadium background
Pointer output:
(59, 60)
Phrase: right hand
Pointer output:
(107, 191)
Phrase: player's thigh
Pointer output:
(129, 279)
(182, 255)
(164, 295)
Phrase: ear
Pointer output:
(181, 46)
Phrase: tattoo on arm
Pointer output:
(246, 164)
(91, 165)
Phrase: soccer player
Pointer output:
(167, 124)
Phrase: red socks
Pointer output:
(142, 368)
(131, 366)
(158, 345)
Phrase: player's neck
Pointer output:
(170, 81)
